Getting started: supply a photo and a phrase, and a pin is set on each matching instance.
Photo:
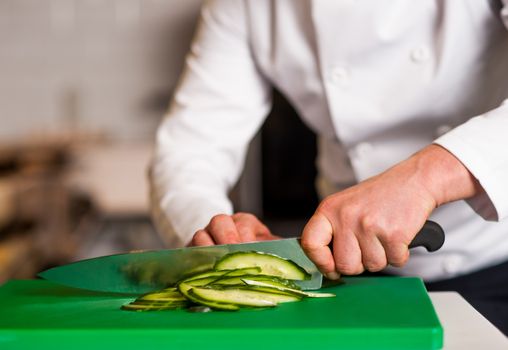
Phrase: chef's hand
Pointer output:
(371, 225)
(236, 228)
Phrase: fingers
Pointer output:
(223, 230)
(347, 253)
(201, 238)
(373, 256)
(397, 253)
(250, 228)
(229, 229)
(372, 253)
(367, 250)
(316, 237)
(366, 247)
(267, 237)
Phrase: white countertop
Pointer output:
(464, 327)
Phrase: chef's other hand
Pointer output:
(371, 225)
(236, 228)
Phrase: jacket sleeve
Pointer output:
(220, 103)
(481, 144)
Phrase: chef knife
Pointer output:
(146, 271)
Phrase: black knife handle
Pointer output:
(431, 236)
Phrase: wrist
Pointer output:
(443, 175)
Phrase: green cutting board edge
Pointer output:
(367, 313)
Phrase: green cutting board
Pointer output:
(367, 313)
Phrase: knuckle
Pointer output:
(198, 237)
(334, 205)
(399, 260)
(218, 218)
(391, 239)
(308, 244)
(348, 269)
(243, 227)
(246, 232)
(244, 216)
(397, 254)
(375, 266)
(397, 233)
(326, 204)
(342, 210)
(247, 225)
(348, 215)
(230, 235)
(371, 225)
(359, 270)
(374, 256)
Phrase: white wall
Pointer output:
(98, 65)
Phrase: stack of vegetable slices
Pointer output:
(238, 280)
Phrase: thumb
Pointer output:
(316, 236)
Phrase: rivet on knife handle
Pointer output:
(431, 236)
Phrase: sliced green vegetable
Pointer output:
(210, 277)
(238, 280)
(205, 274)
(270, 264)
(243, 296)
(163, 296)
(153, 306)
(166, 299)
(198, 282)
(160, 302)
(130, 307)
(243, 271)
(187, 290)
(251, 282)
(242, 279)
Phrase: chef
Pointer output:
(410, 98)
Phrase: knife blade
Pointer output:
(146, 271)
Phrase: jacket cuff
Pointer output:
(481, 144)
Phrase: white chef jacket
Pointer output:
(376, 80)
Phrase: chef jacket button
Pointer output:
(442, 129)
(340, 75)
(420, 54)
(452, 264)
(363, 149)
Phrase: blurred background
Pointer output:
(83, 86)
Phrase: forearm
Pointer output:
(443, 175)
